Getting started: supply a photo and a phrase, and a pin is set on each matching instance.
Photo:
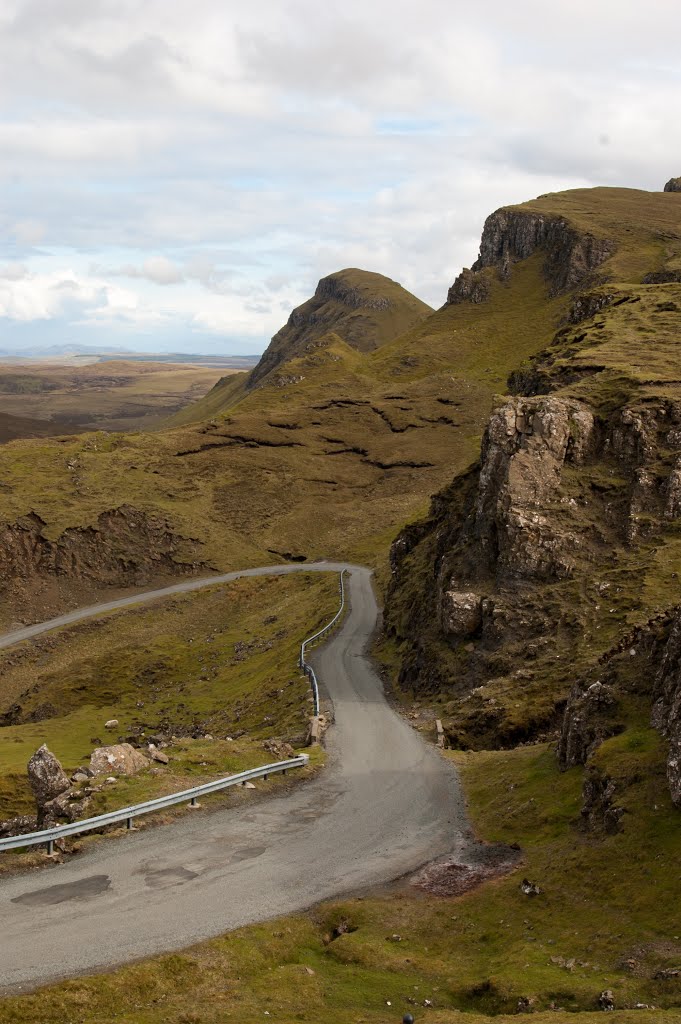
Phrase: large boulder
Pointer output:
(673, 185)
(117, 759)
(47, 778)
(461, 613)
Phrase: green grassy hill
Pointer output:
(335, 451)
(546, 562)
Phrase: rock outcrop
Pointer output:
(587, 721)
(673, 185)
(511, 235)
(599, 811)
(666, 713)
(47, 779)
(526, 444)
(117, 759)
(126, 547)
(19, 826)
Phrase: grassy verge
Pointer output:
(607, 918)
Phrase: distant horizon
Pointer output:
(101, 353)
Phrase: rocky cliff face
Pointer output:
(673, 185)
(666, 712)
(126, 547)
(525, 447)
(506, 588)
(510, 235)
(364, 309)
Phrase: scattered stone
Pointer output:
(525, 1004)
(393, 938)
(249, 785)
(157, 755)
(667, 972)
(120, 758)
(279, 749)
(208, 737)
(529, 888)
(111, 781)
(19, 826)
(111, 724)
(47, 779)
(66, 805)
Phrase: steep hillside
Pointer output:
(364, 309)
(330, 454)
(550, 568)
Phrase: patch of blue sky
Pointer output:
(409, 126)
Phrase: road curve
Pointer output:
(385, 804)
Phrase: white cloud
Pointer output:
(221, 156)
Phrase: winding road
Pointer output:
(385, 804)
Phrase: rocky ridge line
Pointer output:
(510, 236)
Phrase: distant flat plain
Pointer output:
(64, 396)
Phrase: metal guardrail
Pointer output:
(126, 814)
(307, 668)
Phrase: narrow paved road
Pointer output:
(385, 804)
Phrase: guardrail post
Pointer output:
(128, 823)
(193, 802)
(50, 847)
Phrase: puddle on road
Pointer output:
(84, 888)
(162, 878)
(247, 853)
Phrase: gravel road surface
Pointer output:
(385, 804)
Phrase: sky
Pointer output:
(177, 176)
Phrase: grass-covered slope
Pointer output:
(363, 308)
(336, 450)
(565, 551)
(221, 662)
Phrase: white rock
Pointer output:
(111, 724)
